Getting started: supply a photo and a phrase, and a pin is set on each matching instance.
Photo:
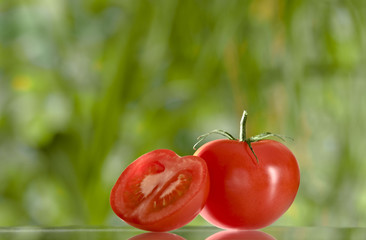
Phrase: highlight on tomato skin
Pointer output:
(161, 191)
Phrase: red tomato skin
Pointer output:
(246, 194)
(175, 217)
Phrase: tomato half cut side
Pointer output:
(161, 191)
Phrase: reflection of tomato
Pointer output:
(157, 236)
(161, 191)
(241, 235)
(248, 191)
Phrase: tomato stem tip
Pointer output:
(243, 131)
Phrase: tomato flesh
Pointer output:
(246, 194)
(161, 191)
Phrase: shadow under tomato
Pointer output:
(157, 236)
(240, 235)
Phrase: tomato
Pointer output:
(242, 235)
(253, 181)
(161, 191)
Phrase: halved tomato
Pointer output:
(161, 191)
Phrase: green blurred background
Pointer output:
(88, 86)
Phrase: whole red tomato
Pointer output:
(253, 181)
(161, 191)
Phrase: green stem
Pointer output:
(243, 131)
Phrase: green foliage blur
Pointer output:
(87, 86)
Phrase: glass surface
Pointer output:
(190, 233)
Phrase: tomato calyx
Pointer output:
(242, 135)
